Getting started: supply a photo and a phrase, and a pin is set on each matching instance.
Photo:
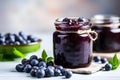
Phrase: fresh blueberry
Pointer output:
(34, 62)
(68, 73)
(27, 68)
(108, 67)
(1, 35)
(50, 63)
(42, 67)
(49, 72)
(104, 60)
(17, 43)
(97, 58)
(35, 67)
(20, 67)
(23, 35)
(59, 67)
(80, 19)
(66, 20)
(33, 57)
(51, 67)
(2, 40)
(33, 72)
(57, 72)
(34, 40)
(40, 73)
(25, 61)
(42, 64)
(63, 72)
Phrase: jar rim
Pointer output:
(60, 20)
(103, 18)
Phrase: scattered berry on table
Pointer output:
(104, 60)
(97, 58)
(108, 67)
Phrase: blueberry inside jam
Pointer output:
(71, 49)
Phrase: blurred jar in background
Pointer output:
(108, 29)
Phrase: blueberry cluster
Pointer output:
(16, 39)
(98, 59)
(40, 69)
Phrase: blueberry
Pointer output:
(42, 64)
(2, 40)
(97, 58)
(59, 67)
(51, 67)
(23, 35)
(66, 20)
(17, 43)
(35, 67)
(40, 73)
(25, 61)
(49, 72)
(57, 72)
(63, 72)
(33, 72)
(1, 35)
(80, 19)
(42, 67)
(104, 60)
(108, 67)
(20, 67)
(33, 57)
(50, 63)
(34, 40)
(34, 62)
(28, 41)
(68, 73)
(27, 68)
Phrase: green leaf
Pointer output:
(49, 59)
(114, 62)
(18, 53)
(44, 55)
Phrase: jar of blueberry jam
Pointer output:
(72, 42)
(108, 29)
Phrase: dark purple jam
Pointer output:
(108, 29)
(71, 49)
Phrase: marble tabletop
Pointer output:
(7, 69)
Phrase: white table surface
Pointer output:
(8, 72)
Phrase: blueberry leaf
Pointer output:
(114, 62)
(44, 55)
(49, 59)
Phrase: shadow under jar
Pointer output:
(108, 29)
(72, 42)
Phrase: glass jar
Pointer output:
(72, 42)
(108, 29)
